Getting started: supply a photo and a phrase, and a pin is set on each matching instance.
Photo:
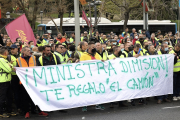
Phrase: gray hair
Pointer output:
(162, 45)
(24, 48)
(149, 46)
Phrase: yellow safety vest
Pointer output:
(105, 55)
(122, 56)
(133, 53)
(112, 56)
(138, 42)
(14, 63)
(5, 70)
(61, 57)
(71, 40)
(41, 60)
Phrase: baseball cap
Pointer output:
(13, 46)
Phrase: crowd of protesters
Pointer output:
(59, 49)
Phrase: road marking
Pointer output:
(171, 107)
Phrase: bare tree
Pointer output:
(128, 8)
(35, 4)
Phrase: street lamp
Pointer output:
(41, 14)
(8, 15)
(95, 3)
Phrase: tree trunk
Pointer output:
(61, 21)
(54, 24)
(126, 15)
(33, 22)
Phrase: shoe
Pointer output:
(132, 102)
(99, 107)
(141, 102)
(5, 115)
(111, 105)
(84, 109)
(175, 98)
(122, 105)
(178, 98)
(129, 101)
(166, 100)
(12, 114)
(27, 115)
(159, 102)
(43, 114)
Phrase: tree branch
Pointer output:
(118, 4)
(54, 24)
(136, 6)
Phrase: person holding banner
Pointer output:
(164, 50)
(136, 53)
(127, 49)
(176, 74)
(26, 60)
(48, 58)
(91, 54)
(151, 50)
(5, 87)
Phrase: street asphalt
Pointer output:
(149, 111)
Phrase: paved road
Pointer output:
(151, 111)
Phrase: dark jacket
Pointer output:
(47, 62)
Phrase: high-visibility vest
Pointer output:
(122, 56)
(177, 65)
(171, 52)
(112, 56)
(43, 43)
(61, 57)
(83, 38)
(41, 60)
(144, 51)
(133, 53)
(14, 63)
(79, 53)
(71, 40)
(138, 42)
(22, 62)
(105, 55)
(5, 70)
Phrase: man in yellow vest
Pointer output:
(127, 48)
(103, 53)
(83, 47)
(5, 77)
(59, 51)
(151, 50)
(48, 58)
(72, 39)
(85, 36)
(91, 54)
(164, 50)
(116, 53)
(176, 75)
(134, 53)
(159, 42)
(141, 40)
(15, 80)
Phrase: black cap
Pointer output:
(13, 46)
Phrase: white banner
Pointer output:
(95, 82)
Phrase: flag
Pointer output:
(84, 17)
(20, 27)
(83, 2)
